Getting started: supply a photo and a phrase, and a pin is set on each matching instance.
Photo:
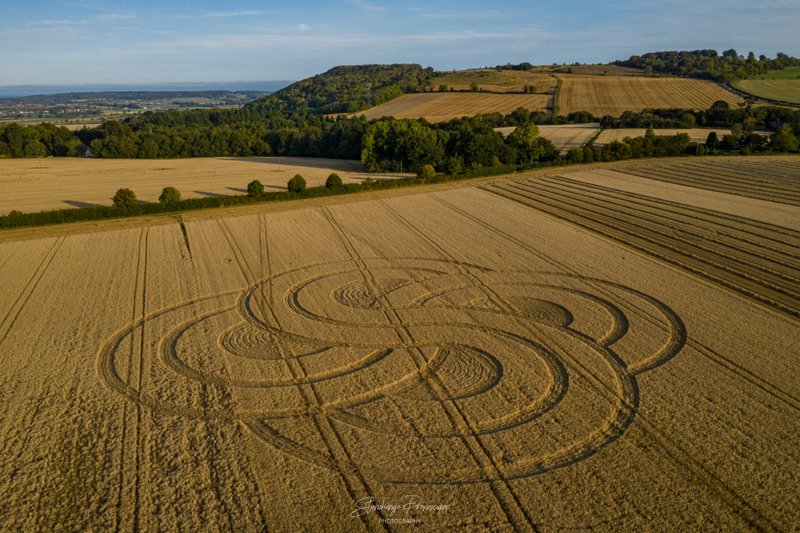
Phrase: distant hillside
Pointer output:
(347, 89)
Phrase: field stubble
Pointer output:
(612, 95)
(61, 183)
(514, 354)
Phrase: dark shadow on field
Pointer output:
(279, 187)
(344, 165)
(212, 194)
(236, 189)
(78, 203)
(373, 177)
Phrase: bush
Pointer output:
(255, 189)
(426, 172)
(333, 182)
(296, 184)
(170, 196)
(124, 198)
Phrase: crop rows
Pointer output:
(612, 95)
(440, 107)
(769, 180)
(754, 259)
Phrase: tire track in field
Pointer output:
(509, 501)
(749, 231)
(354, 481)
(719, 359)
(769, 171)
(624, 398)
(751, 180)
(671, 450)
(622, 219)
(781, 297)
(708, 182)
(751, 187)
(24, 296)
(145, 242)
(124, 429)
(753, 262)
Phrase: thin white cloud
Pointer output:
(367, 6)
(303, 27)
(228, 14)
(116, 16)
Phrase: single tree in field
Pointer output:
(443, 88)
(255, 189)
(124, 198)
(296, 184)
(473, 86)
(333, 182)
(426, 172)
(169, 196)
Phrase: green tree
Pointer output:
(426, 172)
(169, 196)
(333, 182)
(785, 140)
(124, 198)
(255, 189)
(473, 86)
(712, 140)
(575, 155)
(524, 140)
(297, 184)
(443, 88)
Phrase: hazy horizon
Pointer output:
(65, 42)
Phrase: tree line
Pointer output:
(709, 64)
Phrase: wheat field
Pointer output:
(62, 183)
(441, 107)
(613, 347)
(612, 95)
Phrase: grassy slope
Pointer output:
(785, 90)
(790, 73)
(782, 85)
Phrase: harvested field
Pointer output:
(564, 137)
(495, 81)
(784, 90)
(61, 183)
(440, 107)
(602, 70)
(612, 95)
(767, 179)
(697, 135)
(542, 352)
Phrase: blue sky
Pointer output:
(147, 41)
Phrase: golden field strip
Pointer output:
(564, 137)
(612, 95)
(61, 183)
(494, 80)
(580, 349)
(697, 135)
(441, 107)
(567, 136)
